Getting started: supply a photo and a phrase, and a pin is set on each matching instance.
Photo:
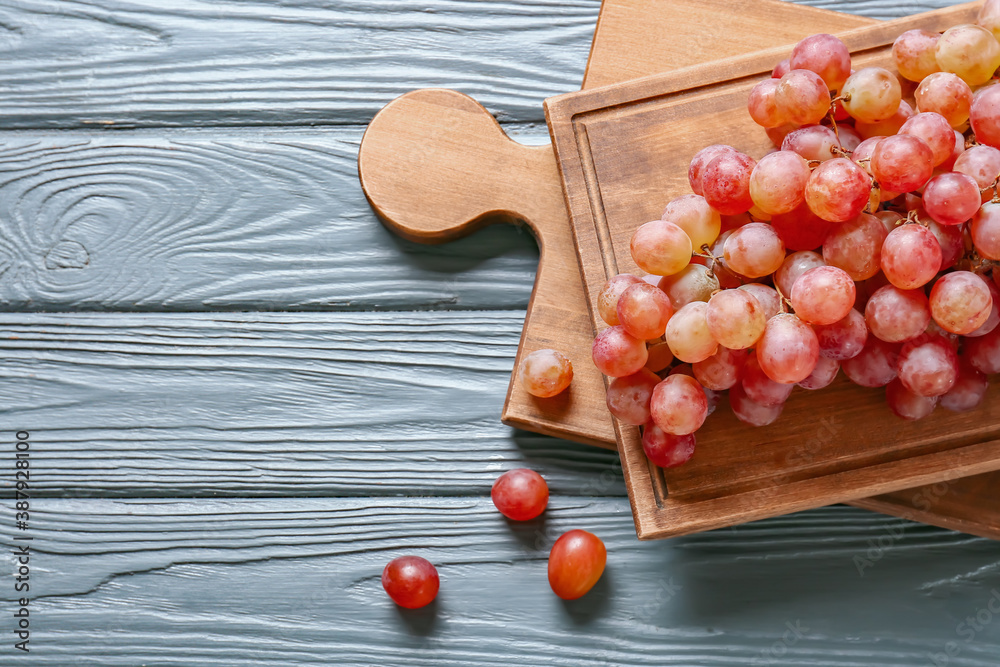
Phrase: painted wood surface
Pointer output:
(296, 581)
(170, 576)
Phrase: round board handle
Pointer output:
(435, 165)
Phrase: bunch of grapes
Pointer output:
(866, 242)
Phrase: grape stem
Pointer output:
(786, 305)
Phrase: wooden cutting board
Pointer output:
(623, 151)
(413, 184)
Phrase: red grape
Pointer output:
(678, 405)
(913, 53)
(983, 353)
(951, 198)
(628, 397)
(576, 562)
(754, 250)
(665, 449)
(934, 129)
(520, 494)
(895, 314)
(825, 373)
(856, 246)
(928, 365)
(875, 366)
(968, 392)
(617, 353)
(721, 370)
(702, 158)
(911, 256)
(802, 97)
(411, 581)
(725, 183)
(661, 248)
(644, 310)
(751, 412)
(823, 295)
(788, 350)
(838, 190)
(946, 94)
(844, 339)
(826, 55)
(907, 405)
(735, 319)
(902, 163)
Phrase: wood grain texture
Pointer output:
(275, 405)
(623, 151)
(696, 31)
(296, 581)
(145, 63)
(188, 222)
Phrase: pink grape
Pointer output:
(693, 283)
(856, 246)
(951, 198)
(985, 229)
(994, 318)
(700, 160)
(838, 190)
(778, 182)
(890, 219)
(970, 51)
(913, 53)
(982, 163)
(960, 302)
(863, 153)
(728, 277)
(871, 94)
(815, 142)
(902, 163)
(760, 388)
(968, 392)
(952, 242)
(849, 138)
(823, 295)
(843, 339)
(616, 353)
(688, 334)
(887, 126)
(628, 397)
(802, 97)
(520, 494)
(545, 373)
(875, 366)
(721, 370)
(907, 405)
(934, 129)
(911, 256)
(788, 350)
(949, 164)
(946, 94)
(989, 17)
(985, 116)
(607, 299)
(666, 449)
(766, 296)
(661, 248)
(928, 366)
(735, 319)
(751, 412)
(777, 134)
(754, 250)
(725, 183)
(795, 265)
(983, 353)
(801, 229)
(868, 287)
(644, 311)
(895, 314)
(781, 68)
(823, 375)
(826, 55)
(700, 221)
(763, 106)
(678, 405)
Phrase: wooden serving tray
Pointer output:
(407, 169)
(623, 152)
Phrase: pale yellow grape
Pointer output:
(700, 221)
(693, 283)
(688, 335)
(735, 319)
(872, 94)
(660, 247)
(970, 51)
